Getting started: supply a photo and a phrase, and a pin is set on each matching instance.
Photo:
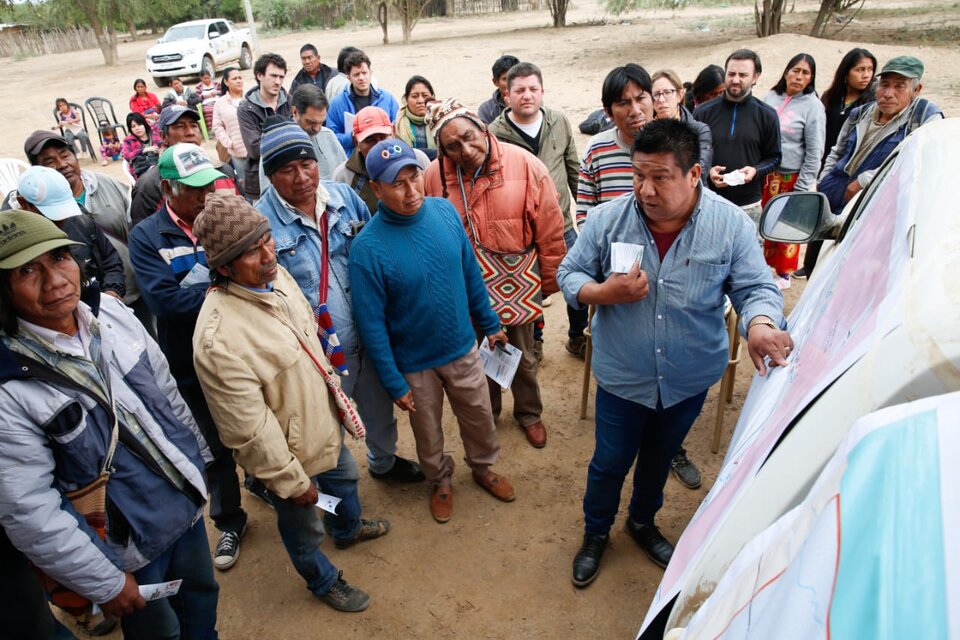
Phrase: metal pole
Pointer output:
(248, 10)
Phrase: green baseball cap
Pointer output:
(906, 66)
(188, 164)
(25, 236)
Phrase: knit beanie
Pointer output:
(283, 140)
(228, 226)
(441, 112)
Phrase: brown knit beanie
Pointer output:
(228, 226)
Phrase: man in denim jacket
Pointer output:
(659, 337)
(299, 206)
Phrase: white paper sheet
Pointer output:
(623, 255)
(735, 178)
(348, 119)
(500, 364)
(160, 590)
(328, 503)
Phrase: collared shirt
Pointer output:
(76, 345)
(672, 344)
(184, 226)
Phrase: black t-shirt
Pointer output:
(359, 102)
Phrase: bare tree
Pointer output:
(768, 17)
(841, 12)
(558, 11)
(409, 12)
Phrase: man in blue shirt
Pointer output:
(659, 340)
(417, 292)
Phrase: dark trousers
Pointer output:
(811, 256)
(23, 603)
(626, 432)
(222, 482)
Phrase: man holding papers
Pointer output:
(416, 286)
(659, 340)
(275, 397)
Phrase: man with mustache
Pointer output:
(273, 394)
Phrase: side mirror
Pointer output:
(213, 34)
(794, 217)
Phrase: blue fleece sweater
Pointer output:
(416, 285)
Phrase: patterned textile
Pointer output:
(228, 226)
(440, 113)
(783, 257)
(283, 140)
(325, 329)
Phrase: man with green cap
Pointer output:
(86, 394)
(172, 273)
(873, 131)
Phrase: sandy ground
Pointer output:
(496, 570)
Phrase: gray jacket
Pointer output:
(108, 200)
(803, 129)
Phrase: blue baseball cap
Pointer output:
(388, 157)
(49, 192)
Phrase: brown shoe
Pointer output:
(497, 486)
(441, 503)
(536, 434)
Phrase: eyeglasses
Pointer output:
(661, 95)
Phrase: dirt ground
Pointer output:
(496, 570)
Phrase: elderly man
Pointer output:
(746, 134)
(874, 130)
(370, 126)
(90, 409)
(279, 414)
(547, 134)
(173, 277)
(268, 98)
(417, 244)
(105, 198)
(177, 124)
(314, 224)
(658, 333)
(508, 204)
(309, 110)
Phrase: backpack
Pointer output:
(596, 122)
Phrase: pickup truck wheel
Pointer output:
(246, 57)
(161, 82)
(207, 66)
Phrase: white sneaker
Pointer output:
(228, 550)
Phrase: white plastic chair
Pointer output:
(125, 166)
(10, 170)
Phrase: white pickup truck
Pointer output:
(188, 48)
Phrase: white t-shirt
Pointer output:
(532, 129)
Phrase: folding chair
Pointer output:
(105, 120)
(729, 374)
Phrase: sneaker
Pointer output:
(258, 490)
(403, 470)
(686, 472)
(577, 346)
(783, 282)
(228, 549)
(342, 596)
(799, 274)
(369, 529)
(547, 301)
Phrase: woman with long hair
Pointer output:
(144, 102)
(141, 149)
(853, 85)
(802, 131)
(226, 128)
(409, 124)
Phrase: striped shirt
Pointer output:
(605, 172)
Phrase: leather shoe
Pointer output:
(536, 434)
(586, 564)
(403, 470)
(649, 538)
(441, 503)
(497, 486)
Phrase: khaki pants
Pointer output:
(463, 382)
(527, 405)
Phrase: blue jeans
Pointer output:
(192, 613)
(376, 409)
(576, 318)
(302, 528)
(628, 431)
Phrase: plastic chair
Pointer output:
(729, 374)
(125, 166)
(83, 117)
(10, 170)
(106, 120)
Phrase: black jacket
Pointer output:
(251, 114)
(745, 134)
(324, 73)
(96, 256)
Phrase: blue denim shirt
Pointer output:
(297, 240)
(672, 344)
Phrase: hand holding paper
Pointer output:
(623, 255)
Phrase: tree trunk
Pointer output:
(826, 10)
(131, 28)
(382, 19)
(558, 11)
(769, 18)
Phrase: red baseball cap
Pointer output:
(371, 120)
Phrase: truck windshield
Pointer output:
(185, 32)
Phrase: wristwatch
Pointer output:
(762, 320)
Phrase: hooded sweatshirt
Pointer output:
(802, 134)
(251, 115)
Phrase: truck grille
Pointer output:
(170, 57)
